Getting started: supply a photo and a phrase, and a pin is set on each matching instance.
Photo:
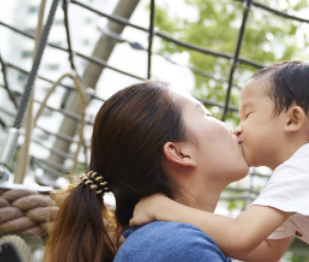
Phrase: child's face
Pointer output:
(259, 131)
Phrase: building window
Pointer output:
(26, 53)
(53, 67)
(21, 77)
(85, 42)
(58, 22)
(88, 20)
(33, 9)
(31, 30)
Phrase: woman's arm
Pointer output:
(235, 237)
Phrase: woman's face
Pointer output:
(218, 152)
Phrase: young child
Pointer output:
(274, 132)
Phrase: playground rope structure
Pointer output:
(234, 58)
(26, 212)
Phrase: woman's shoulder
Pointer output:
(168, 231)
(169, 241)
(157, 227)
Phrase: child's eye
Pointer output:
(247, 115)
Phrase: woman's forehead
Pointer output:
(185, 98)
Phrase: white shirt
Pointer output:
(288, 190)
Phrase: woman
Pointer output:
(147, 140)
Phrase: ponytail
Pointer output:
(129, 133)
(79, 233)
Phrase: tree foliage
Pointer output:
(268, 38)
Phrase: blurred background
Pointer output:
(209, 48)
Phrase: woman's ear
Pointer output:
(179, 153)
(295, 119)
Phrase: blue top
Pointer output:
(168, 242)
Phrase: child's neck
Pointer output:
(286, 152)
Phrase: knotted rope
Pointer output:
(26, 212)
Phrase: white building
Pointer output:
(17, 50)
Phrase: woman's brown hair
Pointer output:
(129, 133)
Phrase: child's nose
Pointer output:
(238, 130)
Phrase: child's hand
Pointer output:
(147, 209)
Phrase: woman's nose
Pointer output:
(238, 130)
(229, 127)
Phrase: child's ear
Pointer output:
(295, 119)
(179, 153)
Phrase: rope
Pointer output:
(35, 67)
(67, 30)
(235, 59)
(21, 246)
(26, 212)
(79, 80)
(6, 84)
(80, 91)
(23, 157)
(91, 59)
(150, 37)
(276, 12)
(69, 88)
(124, 21)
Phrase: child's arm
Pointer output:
(235, 237)
(271, 250)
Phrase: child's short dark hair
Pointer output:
(288, 84)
